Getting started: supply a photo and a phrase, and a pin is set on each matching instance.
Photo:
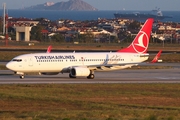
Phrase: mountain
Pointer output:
(71, 5)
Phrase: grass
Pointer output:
(86, 46)
(150, 67)
(7, 56)
(3, 67)
(170, 57)
(90, 101)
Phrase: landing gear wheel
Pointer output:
(70, 76)
(91, 76)
(21, 76)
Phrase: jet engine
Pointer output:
(79, 71)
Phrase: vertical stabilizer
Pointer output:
(141, 41)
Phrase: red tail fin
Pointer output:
(141, 41)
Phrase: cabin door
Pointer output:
(30, 61)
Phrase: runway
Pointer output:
(120, 76)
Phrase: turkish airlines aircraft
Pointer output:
(84, 64)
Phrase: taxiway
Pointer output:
(120, 76)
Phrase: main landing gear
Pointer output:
(70, 76)
(91, 76)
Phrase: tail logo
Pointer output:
(141, 44)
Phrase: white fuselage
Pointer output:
(62, 62)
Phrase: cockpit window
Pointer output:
(17, 60)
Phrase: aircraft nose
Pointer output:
(9, 65)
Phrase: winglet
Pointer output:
(49, 49)
(141, 41)
(156, 57)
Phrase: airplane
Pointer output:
(83, 64)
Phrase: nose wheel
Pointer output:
(21, 76)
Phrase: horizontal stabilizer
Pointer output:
(156, 57)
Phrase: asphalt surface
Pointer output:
(120, 76)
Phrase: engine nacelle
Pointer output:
(79, 71)
(50, 73)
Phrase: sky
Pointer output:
(164, 5)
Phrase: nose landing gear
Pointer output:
(21, 76)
